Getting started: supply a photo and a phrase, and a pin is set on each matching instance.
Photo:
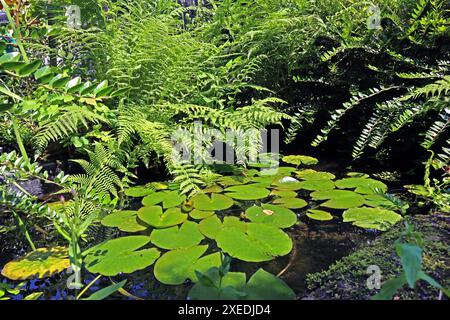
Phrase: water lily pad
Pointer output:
(265, 286)
(229, 287)
(126, 221)
(247, 193)
(257, 242)
(287, 183)
(114, 256)
(280, 171)
(186, 236)
(270, 214)
(41, 263)
(155, 217)
(210, 227)
(297, 160)
(176, 266)
(139, 191)
(215, 188)
(291, 203)
(377, 200)
(310, 174)
(168, 199)
(319, 215)
(317, 185)
(200, 214)
(228, 181)
(284, 193)
(371, 218)
(214, 203)
(362, 185)
(338, 199)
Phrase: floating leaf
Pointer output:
(247, 192)
(317, 185)
(124, 220)
(155, 217)
(114, 256)
(338, 199)
(284, 193)
(214, 203)
(362, 185)
(210, 227)
(291, 203)
(233, 180)
(280, 217)
(175, 267)
(230, 287)
(169, 199)
(139, 191)
(265, 286)
(377, 200)
(200, 215)
(213, 189)
(187, 235)
(319, 215)
(254, 242)
(310, 174)
(371, 218)
(297, 160)
(41, 263)
(287, 183)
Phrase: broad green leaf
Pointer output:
(29, 68)
(187, 235)
(210, 227)
(361, 185)
(215, 202)
(265, 286)
(297, 160)
(291, 203)
(126, 221)
(168, 199)
(319, 215)
(271, 214)
(317, 185)
(247, 192)
(139, 191)
(254, 242)
(200, 215)
(176, 266)
(284, 193)
(371, 218)
(310, 174)
(390, 287)
(338, 199)
(411, 257)
(41, 263)
(155, 217)
(119, 255)
(231, 287)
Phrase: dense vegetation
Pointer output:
(365, 86)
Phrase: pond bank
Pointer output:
(346, 278)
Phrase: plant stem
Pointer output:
(19, 139)
(15, 27)
(23, 228)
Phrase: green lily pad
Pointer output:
(126, 221)
(210, 227)
(214, 203)
(155, 217)
(139, 191)
(247, 193)
(287, 183)
(317, 185)
(270, 214)
(291, 203)
(310, 174)
(186, 236)
(176, 266)
(254, 242)
(41, 263)
(339, 199)
(229, 181)
(261, 286)
(265, 286)
(362, 185)
(319, 215)
(229, 287)
(280, 171)
(200, 215)
(168, 199)
(114, 256)
(377, 200)
(297, 160)
(215, 188)
(371, 218)
(284, 193)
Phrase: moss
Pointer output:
(346, 279)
